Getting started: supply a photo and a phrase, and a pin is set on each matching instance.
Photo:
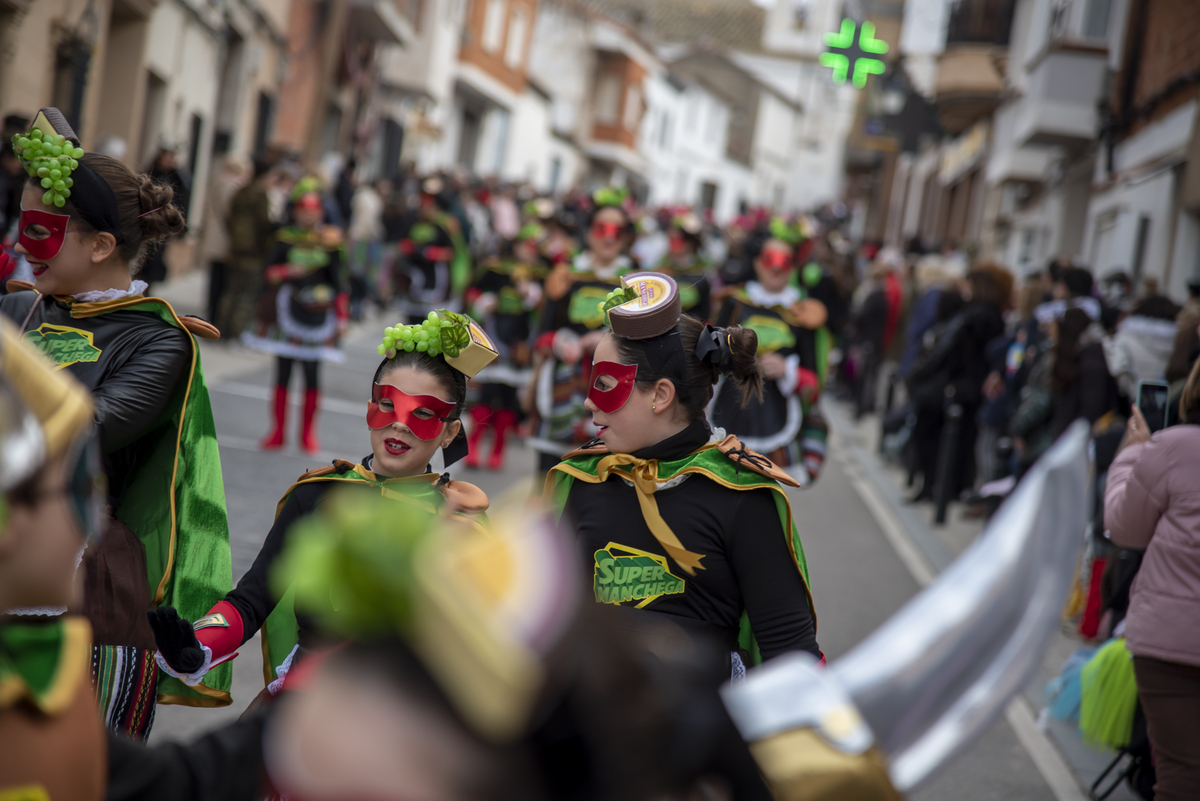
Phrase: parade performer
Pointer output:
(436, 264)
(572, 326)
(504, 298)
(417, 399)
(786, 423)
(302, 314)
(688, 267)
(695, 527)
(84, 227)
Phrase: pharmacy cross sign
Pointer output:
(850, 60)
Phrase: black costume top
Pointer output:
(131, 361)
(747, 565)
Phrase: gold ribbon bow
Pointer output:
(644, 474)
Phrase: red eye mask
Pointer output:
(609, 400)
(42, 247)
(606, 230)
(776, 260)
(424, 415)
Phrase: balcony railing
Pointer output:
(980, 22)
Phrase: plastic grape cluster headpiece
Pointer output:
(610, 196)
(792, 233)
(622, 294)
(51, 158)
(441, 333)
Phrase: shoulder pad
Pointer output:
(736, 452)
(591, 449)
(201, 328)
(338, 466)
(464, 497)
(15, 285)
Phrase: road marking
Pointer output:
(1044, 753)
(905, 548)
(334, 405)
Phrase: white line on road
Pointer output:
(1041, 750)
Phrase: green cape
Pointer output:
(280, 631)
(708, 461)
(176, 505)
(44, 663)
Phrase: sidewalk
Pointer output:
(927, 549)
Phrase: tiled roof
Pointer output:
(735, 24)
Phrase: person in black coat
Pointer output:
(952, 371)
(165, 170)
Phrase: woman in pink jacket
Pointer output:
(1153, 502)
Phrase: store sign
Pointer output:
(851, 59)
(962, 154)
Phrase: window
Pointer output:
(633, 107)
(1095, 22)
(1139, 249)
(664, 131)
(800, 12)
(493, 26)
(608, 97)
(555, 173)
(514, 51)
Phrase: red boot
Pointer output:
(308, 435)
(505, 419)
(481, 417)
(274, 440)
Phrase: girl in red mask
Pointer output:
(302, 313)
(86, 224)
(572, 327)
(786, 423)
(414, 409)
(681, 527)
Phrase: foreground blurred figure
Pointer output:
(475, 672)
(51, 737)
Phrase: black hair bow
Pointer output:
(713, 347)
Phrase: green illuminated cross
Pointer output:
(863, 65)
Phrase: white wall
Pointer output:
(561, 60)
(1111, 235)
(528, 141)
(186, 55)
(684, 136)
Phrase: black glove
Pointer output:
(176, 640)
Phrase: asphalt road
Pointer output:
(858, 578)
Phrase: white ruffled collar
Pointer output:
(99, 296)
(761, 297)
(583, 264)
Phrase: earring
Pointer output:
(654, 408)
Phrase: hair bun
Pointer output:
(160, 218)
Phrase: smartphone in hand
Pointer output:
(1152, 400)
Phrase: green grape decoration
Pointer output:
(446, 334)
(622, 294)
(51, 159)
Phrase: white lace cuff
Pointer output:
(282, 671)
(190, 679)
